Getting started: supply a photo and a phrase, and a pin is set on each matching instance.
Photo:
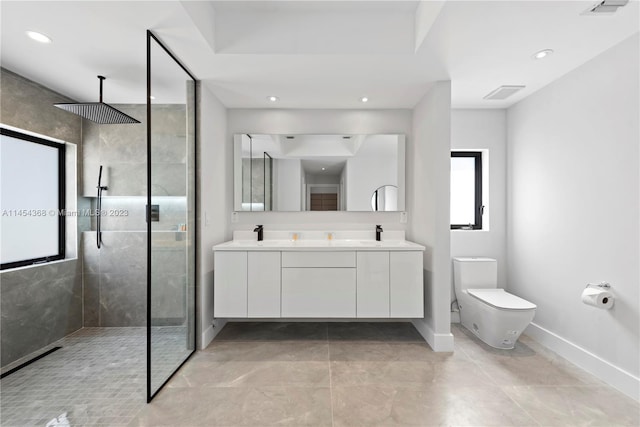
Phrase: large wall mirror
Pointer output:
(319, 172)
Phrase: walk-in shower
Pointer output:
(131, 289)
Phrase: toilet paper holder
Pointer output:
(604, 285)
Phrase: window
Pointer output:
(31, 199)
(466, 190)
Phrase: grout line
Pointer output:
(518, 405)
(501, 387)
(330, 382)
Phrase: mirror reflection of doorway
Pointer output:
(324, 202)
(323, 197)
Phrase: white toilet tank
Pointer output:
(475, 273)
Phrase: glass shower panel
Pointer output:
(171, 230)
(268, 182)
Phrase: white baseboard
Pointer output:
(595, 365)
(210, 333)
(437, 342)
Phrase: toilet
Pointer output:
(492, 314)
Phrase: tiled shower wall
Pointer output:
(122, 150)
(40, 304)
(115, 281)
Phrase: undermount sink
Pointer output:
(320, 244)
(318, 241)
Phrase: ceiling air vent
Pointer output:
(503, 92)
(605, 7)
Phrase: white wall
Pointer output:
(317, 122)
(484, 130)
(573, 208)
(428, 176)
(322, 179)
(215, 202)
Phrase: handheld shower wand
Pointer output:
(101, 188)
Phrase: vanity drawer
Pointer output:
(318, 292)
(318, 259)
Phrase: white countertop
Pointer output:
(318, 245)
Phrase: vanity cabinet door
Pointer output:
(230, 284)
(264, 284)
(406, 285)
(319, 292)
(373, 284)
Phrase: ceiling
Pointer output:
(311, 54)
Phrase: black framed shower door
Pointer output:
(171, 214)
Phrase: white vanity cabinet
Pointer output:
(390, 284)
(406, 289)
(230, 284)
(319, 284)
(373, 284)
(263, 284)
(280, 281)
(246, 284)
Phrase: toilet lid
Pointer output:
(498, 298)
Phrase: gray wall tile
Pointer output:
(91, 284)
(168, 297)
(39, 306)
(115, 279)
(28, 105)
(123, 299)
(122, 150)
(169, 179)
(123, 253)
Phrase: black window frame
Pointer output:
(479, 207)
(61, 198)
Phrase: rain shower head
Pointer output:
(98, 112)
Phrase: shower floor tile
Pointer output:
(97, 378)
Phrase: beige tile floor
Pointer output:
(378, 374)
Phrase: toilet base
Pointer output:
(504, 342)
(497, 328)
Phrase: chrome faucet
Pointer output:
(260, 230)
(378, 232)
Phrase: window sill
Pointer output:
(43, 264)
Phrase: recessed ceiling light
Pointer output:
(324, 168)
(272, 98)
(542, 54)
(364, 99)
(39, 37)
